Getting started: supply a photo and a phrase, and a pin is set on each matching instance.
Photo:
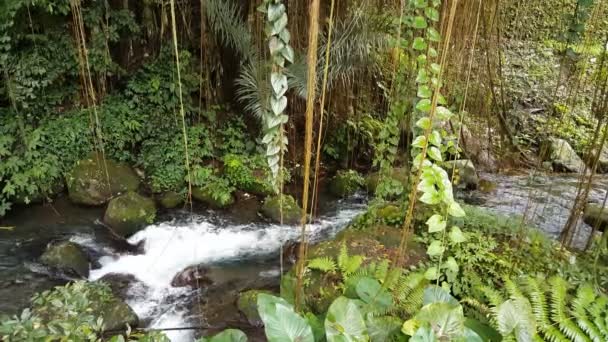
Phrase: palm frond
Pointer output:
(226, 22)
(254, 87)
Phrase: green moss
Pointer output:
(213, 199)
(128, 213)
(88, 182)
(291, 210)
(170, 199)
(67, 256)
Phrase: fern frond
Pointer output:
(599, 314)
(538, 301)
(483, 309)
(323, 264)
(493, 296)
(585, 296)
(381, 270)
(559, 311)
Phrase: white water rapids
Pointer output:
(170, 247)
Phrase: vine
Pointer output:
(274, 118)
(431, 180)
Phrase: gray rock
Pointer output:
(561, 155)
(466, 175)
(67, 257)
(594, 215)
(128, 213)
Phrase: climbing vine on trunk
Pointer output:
(275, 119)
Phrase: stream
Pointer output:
(239, 248)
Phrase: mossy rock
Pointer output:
(117, 315)
(204, 195)
(291, 210)
(466, 175)
(170, 199)
(561, 155)
(345, 183)
(259, 186)
(89, 184)
(67, 257)
(400, 174)
(247, 303)
(128, 213)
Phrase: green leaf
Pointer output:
(229, 335)
(419, 44)
(275, 45)
(431, 197)
(435, 68)
(419, 22)
(435, 154)
(435, 248)
(456, 210)
(443, 113)
(435, 294)
(281, 322)
(419, 142)
(278, 105)
(344, 322)
(424, 105)
(424, 92)
(451, 264)
(279, 83)
(433, 35)
(371, 292)
(432, 13)
(515, 317)
(445, 318)
(456, 235)
(432, 273)
(424, 123)
(436, 223)
(275, 11)
(288, 53)
(382, 328)
(422, 76)
(424, 334)
(420, 3)
(435, 138)
(279, 24)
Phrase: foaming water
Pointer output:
(170, 247)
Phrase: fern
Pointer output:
(348, 264)
(226, 22)
(323, 264)
(559, 310)
(585, 296)
(408, 292)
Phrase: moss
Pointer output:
(291, 210)
(67, 256)
(170, 199)
(205, 195)
(247, 303)
(130, 212)
(346, 183)
(88, 182)
(400, 174)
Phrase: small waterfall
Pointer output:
(169, 247)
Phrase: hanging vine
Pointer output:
(431, 180)
(274, 119)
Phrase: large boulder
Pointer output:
(466, 175)
(596, 215)
(66, 257)
(89, 184)
(561, 155)
(291, 210)
(214, 200)
(193, 276)
(128, 213)
(117, 315)
(247, 304)
(119, 283)
(345, 183)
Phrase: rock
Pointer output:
(594, 215)
(247, 303)
(170, 199)
(259, 186)
(88, 182)
(290, 251)
(205, 195)
(115, 312)
(119, 283)
(66, 256)
(561, 155)
(193, 276)
(466, 176)
(478, 148)
(400, 174)
(487, 186)
(602, 163)
(345, 183)
(128, 213)
(291, 210)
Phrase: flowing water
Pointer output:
(240, 250)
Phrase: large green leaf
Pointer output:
(382, 328)
(281, 322)
(436, 294)
(424, 334)
(446, 320)
(344, 322)
(515, 317)
(371, 292)
(487, 333)
(228, 335)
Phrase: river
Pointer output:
(240, 249)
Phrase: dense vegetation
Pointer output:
(401, 98)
